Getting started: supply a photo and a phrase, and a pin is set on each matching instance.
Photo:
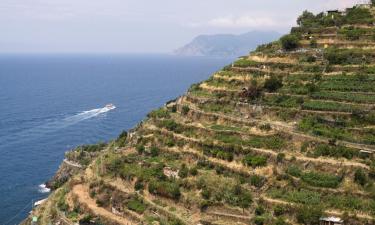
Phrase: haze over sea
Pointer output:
(51, 103)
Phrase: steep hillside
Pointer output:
(226, 44)
(285, 135)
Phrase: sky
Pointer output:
(139, 26)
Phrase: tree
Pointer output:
(253, 92)
(289, 42)
(306, 18)
(273, 83)
(245, 200)
(360, 177)
(309, 215)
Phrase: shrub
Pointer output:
(309, 215)
(245, 200)
(194, 171)
(159, 113)
(253, 92)
(321, 179)
(294, 171)
(280, 221)
(154, 151)
(278, 210)
(265, 127)
(280, 157)
(313, 43)
(121, 140)
(360, 177)
(140, 149)
(358, 15)
(273, 84)
(206, 194)
(183, 172)
(136, 205)
(334, 151)
(257, 181)
(139, 185)
(306, 19)
(255, 161)
(185, 110)
(259, 220)
(289, 42)
(259, 211)
(165, 189)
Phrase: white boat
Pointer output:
(110, 106)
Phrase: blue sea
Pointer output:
(52, 103)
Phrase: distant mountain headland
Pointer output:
(226, 44)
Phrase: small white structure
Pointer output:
(331, 221)
(170, 173)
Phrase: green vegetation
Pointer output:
(159, 113)
(255, 160)
(136, 205)
(273, 84)
(165, 188)
(289, 42)
(245, 63)
(314, 178)
(309, 215)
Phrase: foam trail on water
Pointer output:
(40, 131)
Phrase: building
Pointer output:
(331, 221)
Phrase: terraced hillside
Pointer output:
(285, 135)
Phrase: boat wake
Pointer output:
(53, 126)
(85, 115)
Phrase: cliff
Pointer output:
(285, 135)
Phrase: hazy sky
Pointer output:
(139, 25)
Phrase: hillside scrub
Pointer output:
(289, 42)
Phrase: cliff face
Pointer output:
(285, 135)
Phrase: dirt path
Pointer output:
(83, 197)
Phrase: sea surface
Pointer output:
(52, 103)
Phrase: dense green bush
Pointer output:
(358, 15)
(154, 151)
(159, 113)
(315, 178)
(136, 205)
(279, 210)
(184, 171)
(121, 140)
(348, 56)
(245, 63)
(289, 42)
(321, 179)
(255, 160)
(165, 189)
(185, 109)
(259, 220)
(309, 215)
(352, 33)
(334, 151)
(257, 181)
(273, 83)
(360, 177)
